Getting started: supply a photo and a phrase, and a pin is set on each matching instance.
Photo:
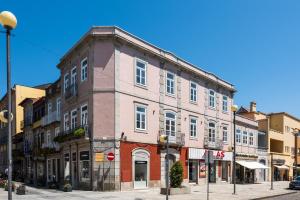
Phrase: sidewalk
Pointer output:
(221, 191)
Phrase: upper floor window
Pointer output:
(193, 127)
(225, 134)
(58, 107)
(56, 132)
(193, 92)
(66, 81)
(140, 117)
(73, 119)
(170, 123)
(140, 72)
(66, 122)
(211, 132)
(49, 107)
(84, 115)
(225, 104)
(245, 137)
(170, 83)
(73, 75)
(238, 136)
(84, 70)
(48, 139)
(212, 99)
(251, 139)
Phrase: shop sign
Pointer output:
(99, 157)
(217, 155)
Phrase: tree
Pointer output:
(176, 175)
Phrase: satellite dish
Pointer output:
(3, 116)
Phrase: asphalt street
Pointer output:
(295, 196)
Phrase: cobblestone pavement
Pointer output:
(220, 191)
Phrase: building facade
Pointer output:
(119, 94)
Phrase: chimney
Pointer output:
(252, 106)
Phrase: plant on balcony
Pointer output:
(77, 133)
(176, 175)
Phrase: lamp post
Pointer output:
(165, 139)
(9, 22)
(234, 108)
(272, 172)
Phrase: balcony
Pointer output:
(213, 144)
(177, 140)
(52, 145)
(27, 121)
(73, 134)
(50, 118)
(71, 91)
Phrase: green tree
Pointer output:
(176, 175)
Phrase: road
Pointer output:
(295, 196)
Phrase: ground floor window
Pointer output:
(85, 166)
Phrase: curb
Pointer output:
(277, 195)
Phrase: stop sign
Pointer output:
(110, 156)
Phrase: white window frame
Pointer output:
(74, 119)
(211, 96)
(84, 70)
(245, 137)
(58, 107)
(145, 71)
(49, 108)
(225, 130)
(66, 82)
(238, 136)
(66, 122)
(251, 138)
(225, 103)
(193, 92)
(140, 113)
(57, 131)
(171, 81)
(73, 75)
(193, 127)
(170, 121)
(48, 138)
(86, 114)
(212, 132)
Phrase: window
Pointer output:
(238, 136)
(84, 72)
(170, 83)
(251, 139)
(49, 108)
(48, 137)
(212, 100)
(140, 72)
(73, 119)
(211, 132)
(170, 123)
(84, 115)
(73, 75)
(225, 104)
(84, 166)
(225, 134)
(66, 81)
(245, 137)
(57, 130)
(140, 117)
(193, 127)
(193, 92)
(58, 107)
(66, 122)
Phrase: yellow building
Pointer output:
(280, 139)
(19, 93)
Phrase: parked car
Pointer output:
(295, 184)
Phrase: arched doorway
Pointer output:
(140, 168)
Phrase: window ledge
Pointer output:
(171, 95)
(141, 131)
(194, 102)
(141, 86)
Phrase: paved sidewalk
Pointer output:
(221, 191)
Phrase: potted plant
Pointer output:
(13, 186)
(21, 190)
(67, 187)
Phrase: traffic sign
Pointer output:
(99, 157)
(110, 156)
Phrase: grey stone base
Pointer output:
(174, 191)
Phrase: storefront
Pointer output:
(219, 170)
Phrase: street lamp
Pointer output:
(165, 139)
(234, 108)
(9, 22)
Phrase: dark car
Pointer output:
(295, 184)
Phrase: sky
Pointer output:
(253, 44)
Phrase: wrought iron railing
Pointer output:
(50, 118)
(213, 143)
(177, 139)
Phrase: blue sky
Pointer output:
(254, 44)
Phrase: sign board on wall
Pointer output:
(99, 157)
(199, 154)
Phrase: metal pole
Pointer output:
(208, 174)
(167, 169)
(272, 172)
(234, 155)
(9, 113)
(296, 154)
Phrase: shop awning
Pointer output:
(251, 164)
(281, 166)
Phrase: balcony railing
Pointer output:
(76, 133)
(51, 145)
(71, 91)
(177, 140)
(50, 118)
(213, 143)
